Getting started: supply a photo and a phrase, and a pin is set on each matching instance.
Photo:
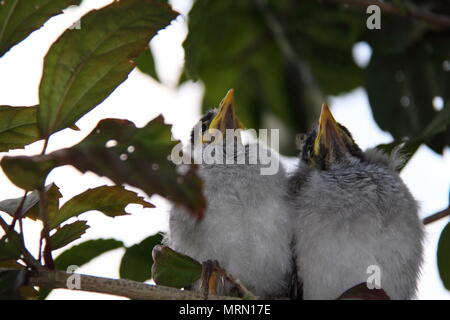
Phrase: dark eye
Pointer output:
(204, 127)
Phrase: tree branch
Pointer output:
(437, 216)
(56, 279)
(434, 19)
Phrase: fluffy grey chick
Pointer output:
(246, 225)
(353, 216)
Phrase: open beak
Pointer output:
(329, 141)
(226, 117)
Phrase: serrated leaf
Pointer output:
(84, 66)
(28, 173)
(139, 158)
(30, 208)
(68, 233)
(110, 200)
(174, 269)
(81, 254)
(443, 256)
(18, 127)
(137, 261)
(146, 64)
(362, 292)
(18, 18)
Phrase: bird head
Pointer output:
(217, 119)
(328, 143)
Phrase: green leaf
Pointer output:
(30, 206)
(81, 254)
(84, 66)
(397, 35)
(231, 45)
(53, 196)
(84, 252)
(401, 88)
(174, 269)
(18, 18)
(68, 233)
(439, 124)
(10, 283)
(139, 158)
(10, 246)
(146, 64)
(137, 261)
(17, 127)
(110, 200)
(443, 256)
(28, 173)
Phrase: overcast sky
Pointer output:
(140, 99)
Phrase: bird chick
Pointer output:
(353, 217)
(246, 225)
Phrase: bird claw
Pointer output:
(211, 273)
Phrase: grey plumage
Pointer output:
(353, 213)
(246, 225)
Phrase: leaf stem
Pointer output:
(43, 211)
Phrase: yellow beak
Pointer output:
(226, 117)
(329, 135)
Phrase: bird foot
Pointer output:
(211, 273)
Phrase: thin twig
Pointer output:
(243, 291)
(43, 206)
(45, 231)
(55, 279)
(44, 148)
(18, 212)
(436, 216)
(434, 19)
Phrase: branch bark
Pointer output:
(434, 19)
(56, 279)
(436, 216)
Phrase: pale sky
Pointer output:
(140, 99)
